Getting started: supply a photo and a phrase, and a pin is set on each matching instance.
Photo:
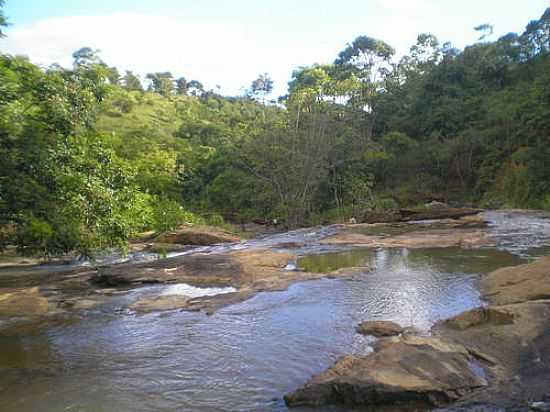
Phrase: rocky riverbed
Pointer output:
(428, 277)
(497, 355)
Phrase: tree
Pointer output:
(369, 60)
(536, 38)
(182, 86)
(195, 88)
(425, 52)
(162, 83)
(86, 58)
(131, 82)
(261, 87)
(485, 30)
(3, 20)
(113, 76)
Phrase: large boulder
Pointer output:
(480, 317)
(379, 328)
(197, 235)
(518, 283)
(412, 371)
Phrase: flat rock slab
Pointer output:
(410, 215)
(27, 302)
(159, 303)
(201, 269)
(518, 283)
(379, 328)
(480, 317)
(411, 371)
(466, 238)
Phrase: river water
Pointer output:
(246, 356)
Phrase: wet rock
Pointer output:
(379, 328)
(197, 235)
(159, 303)
(231, 269)
(518, 283)
(465, 238)
(410, 215)
(517, 354)
(413, 371)
(26, 302)
(481, 316)
(542, 405)
(249, 271)
(290, 245)
(78, 304)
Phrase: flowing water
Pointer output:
(247, 355)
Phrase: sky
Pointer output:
(226, 44)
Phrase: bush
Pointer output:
(215, 220)
(38, 237)
(169, 214)
(385, 203)
(34, 236)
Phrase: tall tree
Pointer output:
(131, 82)
(3, 20)
(162, 83)
(182, 86)
(86, 57)
(195, 87)
(261, 87)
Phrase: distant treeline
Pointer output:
(89, 158)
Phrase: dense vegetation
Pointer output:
(90, 158)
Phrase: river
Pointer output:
(246, 356)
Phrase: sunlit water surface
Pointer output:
(246, 356)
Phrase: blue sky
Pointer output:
(228, 43)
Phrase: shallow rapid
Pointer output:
(248, 355)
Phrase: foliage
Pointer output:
(90, 158)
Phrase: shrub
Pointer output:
(169, 214)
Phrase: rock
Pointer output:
(79, 304)
(410, 215)
(465, 238)
(162, 248)
(412, 371)
(518, 283)
(541, 406)
(159, 303)
(434, 204)
(249, 271)
(200, 269)
(290, 245)
(516, 353)
(379, 328)
(26, 302)
(197, 235)
(481, 316)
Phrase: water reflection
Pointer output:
(243, 358)
(246, 356)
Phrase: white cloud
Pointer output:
(212, 53)
(233, 54)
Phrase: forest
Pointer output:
(92, 157)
